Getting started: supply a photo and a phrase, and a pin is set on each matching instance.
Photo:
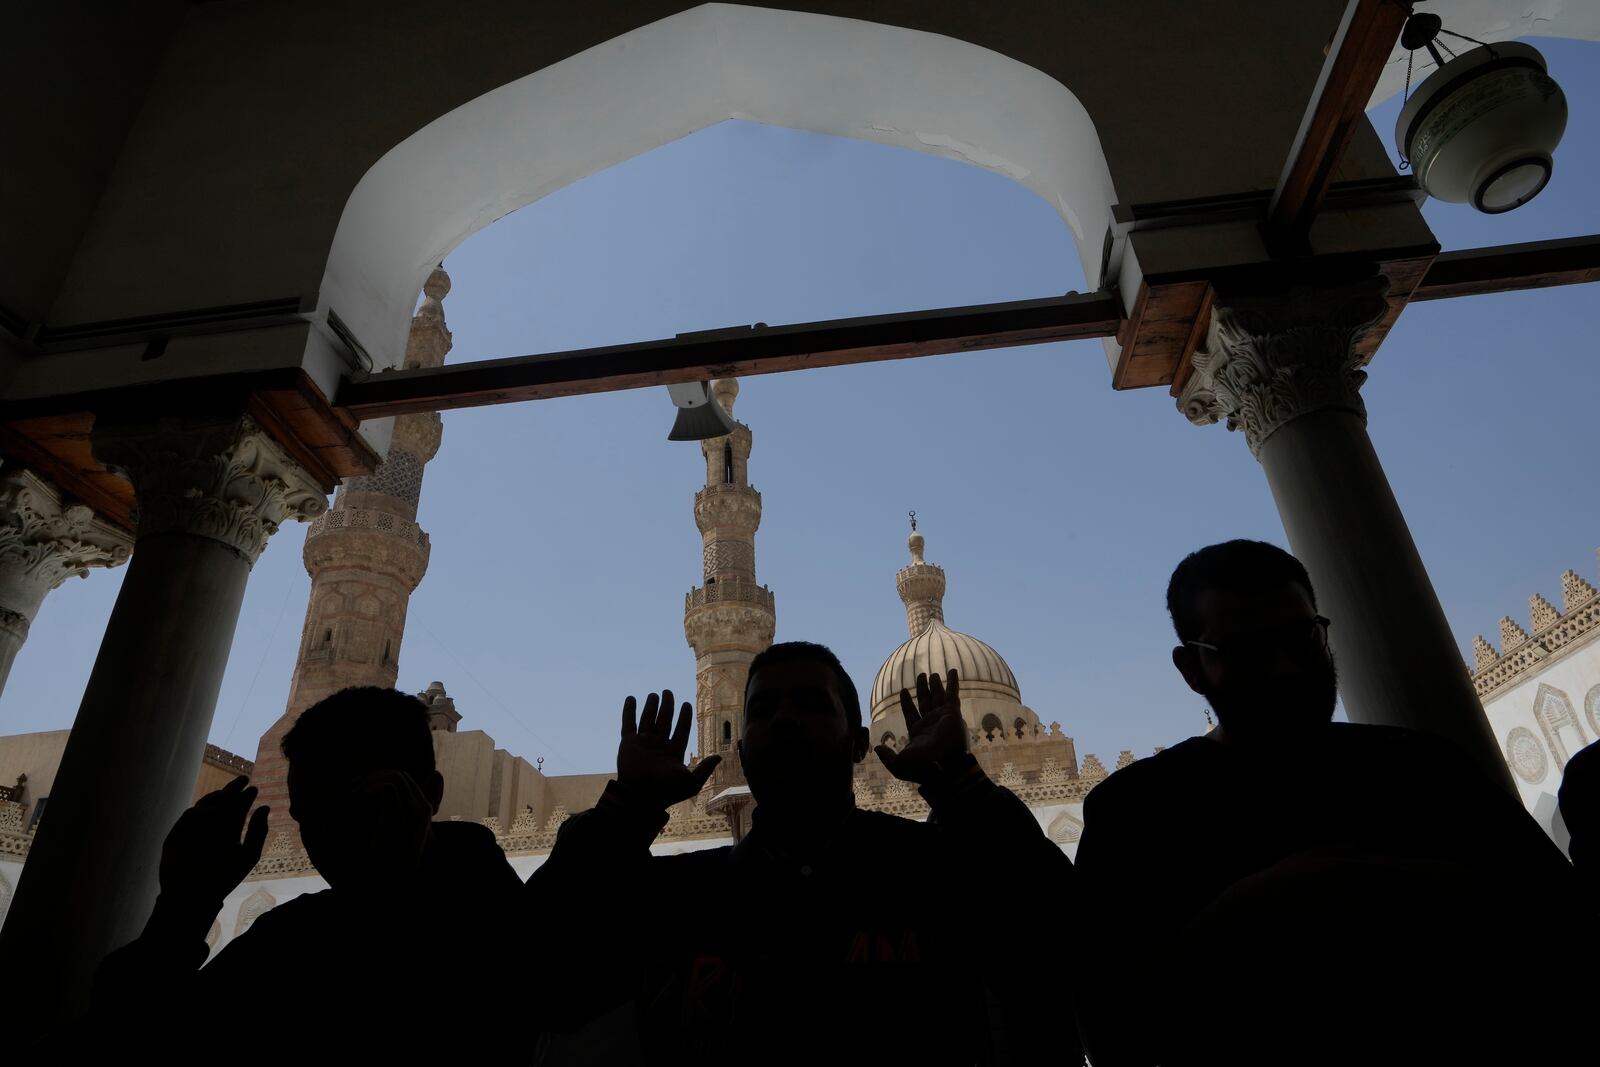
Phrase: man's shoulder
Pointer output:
(1171, 769)
(1374, 741)
(868, 821)
(692, 862)
(298, 918)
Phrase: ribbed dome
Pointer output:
(936, 650)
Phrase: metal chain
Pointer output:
(1405, 164)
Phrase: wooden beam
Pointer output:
(1365, 38)
(52, 434)
(1160, 333)
(1505, 268)
(738, 351)
(56, 447)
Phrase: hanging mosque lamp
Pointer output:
(1481, 129)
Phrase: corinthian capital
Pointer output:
(44, 541)
(1269, 360)
(221, 478)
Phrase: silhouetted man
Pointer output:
(1287, 889)
(394, 962)
(828, 934)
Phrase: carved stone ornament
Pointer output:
(1526, 755)
(1269, 360)
(44, 541)
(224, 479)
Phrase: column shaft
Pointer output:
(1287, 371)
(1398, 662)
(129, 767)
(210, 492)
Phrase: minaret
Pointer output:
(920, 585)
(730, 618)
(365, 555)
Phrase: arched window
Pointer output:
(727, 464)
(888, 738)
(1020, 726)
(1065, 828)
(1591, 705)
(992, 726)
(727, 731)
(1559, 721)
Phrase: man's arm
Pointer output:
(996, 844)
(202, 860)
(590, 905)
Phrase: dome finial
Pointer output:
(915, 542)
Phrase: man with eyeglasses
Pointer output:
(1290, 889)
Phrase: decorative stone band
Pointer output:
(1549, 641)
(43, 542)
(223, 479)
(221, 757)
(399, 476)
(368, 518)
(1270, 360)
(733, 508)
(725, 592)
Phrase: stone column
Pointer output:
(1286, 371)
(43, 542)
(210, 492)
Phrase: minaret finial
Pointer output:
(920, 584)
(436, 288)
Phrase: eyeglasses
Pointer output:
(1294, 637)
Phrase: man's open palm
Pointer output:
(935, 731)
(204, 856)
(650, 756)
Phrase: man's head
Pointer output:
(1251, 641)
(802, 725)
(335, 749)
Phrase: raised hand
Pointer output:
(204, 857)
(650, 765)
(936, 733)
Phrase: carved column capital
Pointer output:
(43, 542)
(1269, 360)
(219, 478)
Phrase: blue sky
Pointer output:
(563, 532)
